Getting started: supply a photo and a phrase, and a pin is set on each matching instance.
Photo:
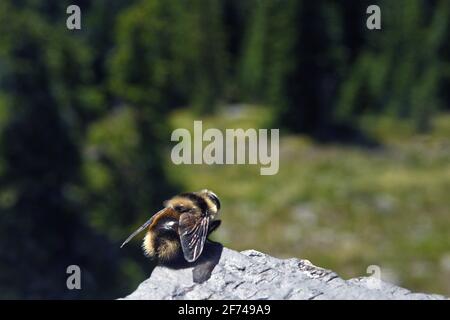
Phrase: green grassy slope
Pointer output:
(343, 208)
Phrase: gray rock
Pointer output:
(253, 275)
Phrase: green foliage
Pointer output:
(398, 71)
(320, 70)
(40, 224)
(147, 58)
(343, 208)
(50, 212)
(293, 61)
(85, 118)
(171, 52)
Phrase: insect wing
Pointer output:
(145, 225)
(193, 232)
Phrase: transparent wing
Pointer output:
(145, 225)
(193, 232)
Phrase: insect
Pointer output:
(178, 232)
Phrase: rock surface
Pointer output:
(253, 275)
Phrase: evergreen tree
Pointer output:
(43, 229)
(292, 62)
(397, 72)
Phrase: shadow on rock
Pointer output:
(203, 266)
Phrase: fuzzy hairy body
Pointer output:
(163, 250)
(162, 241)
(178, 233)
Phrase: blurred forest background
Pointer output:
(86, 117)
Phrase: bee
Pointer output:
(177, 233)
